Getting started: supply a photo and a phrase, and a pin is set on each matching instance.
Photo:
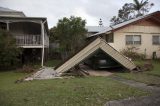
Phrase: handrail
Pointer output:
(27, 39)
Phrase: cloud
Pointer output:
(90, 10)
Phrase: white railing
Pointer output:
(28, 40)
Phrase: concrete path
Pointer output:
(43, 73)
(153, 100)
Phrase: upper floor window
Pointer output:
(156, 39)
(133, 39)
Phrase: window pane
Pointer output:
(109, 38)
(156, 40)
(137, 39)
(129, 39)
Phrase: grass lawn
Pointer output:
(89, 91)
(148, 77)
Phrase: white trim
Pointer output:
(43, 45)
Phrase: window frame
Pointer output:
(154, 43)
(133, 41)
(109, 38)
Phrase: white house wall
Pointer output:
(146, 33)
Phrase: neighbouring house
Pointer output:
(94, 29)
(31, 33)
(142, 33)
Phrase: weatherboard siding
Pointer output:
(146, 30)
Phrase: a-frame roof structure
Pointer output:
(89, 50)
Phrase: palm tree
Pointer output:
(141, 7)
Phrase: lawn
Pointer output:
(148, 77)
(89, 91)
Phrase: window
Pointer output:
(109, 38)
(133, 39)
(3, 26)
(156, 40)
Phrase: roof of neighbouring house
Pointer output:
(114, 27)
(9, 12)
(95, 28)
(7, 9)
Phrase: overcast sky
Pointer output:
(90, 10)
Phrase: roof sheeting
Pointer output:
(97, 44)
(95, 28)
(123, 24)
(7, 9)
(11, 13)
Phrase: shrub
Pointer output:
(8, 51)
(132, 53)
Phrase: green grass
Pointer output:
(89, 91)
(148, 77)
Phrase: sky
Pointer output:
(89, 10)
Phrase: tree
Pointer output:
(131, 10)
(142, 7)
(71, 34)
(8, 50)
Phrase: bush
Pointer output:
(131, 53)
(8, 51)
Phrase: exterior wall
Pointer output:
(146, 30)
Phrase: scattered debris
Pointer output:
(148, 66)
(76, 71)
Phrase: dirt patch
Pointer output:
(93, 72)
(99, 73)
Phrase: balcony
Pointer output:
(28, 40)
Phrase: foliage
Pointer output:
(70, 32)
(131, 10)
(8, 51)
(90, 91)
(132, 53)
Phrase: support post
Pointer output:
(42, 33)
(7, 25)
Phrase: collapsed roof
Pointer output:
(91, 48)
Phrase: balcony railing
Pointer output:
(28, 40)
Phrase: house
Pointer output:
(94, 29)
(142, 33)
(31, 33)
(90, 50)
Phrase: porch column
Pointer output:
(42, 34)
(7, 25)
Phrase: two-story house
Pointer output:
(31, 33)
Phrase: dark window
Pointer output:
(3, 26)
(133, 39)
(156, 40)
(109, 38)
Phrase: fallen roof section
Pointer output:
(95, 45)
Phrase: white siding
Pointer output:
(146, 33)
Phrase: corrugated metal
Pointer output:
(91, 48)
(124, 23)
(95, 28)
